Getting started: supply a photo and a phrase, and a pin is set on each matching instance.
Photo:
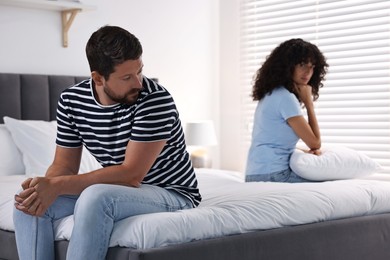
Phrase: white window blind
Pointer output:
(354, 105)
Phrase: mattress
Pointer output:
(229, 207)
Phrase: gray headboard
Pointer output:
(32, 96)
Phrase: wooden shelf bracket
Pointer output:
(67, 20)
(68, 9)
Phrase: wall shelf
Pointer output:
(68, 10)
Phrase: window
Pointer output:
(354, 105)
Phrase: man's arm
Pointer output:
(62, 178)
(139, 158)
(66, 162)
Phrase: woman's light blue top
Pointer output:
(273, 140)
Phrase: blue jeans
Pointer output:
(282, 176)
(95, 212)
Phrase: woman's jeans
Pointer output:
(95, 212)
(282, 176)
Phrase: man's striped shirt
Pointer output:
(106, 130)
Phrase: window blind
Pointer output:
(353, 109)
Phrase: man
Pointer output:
(132, 127)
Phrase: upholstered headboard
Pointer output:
(32, 96)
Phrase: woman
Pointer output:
(289, 78)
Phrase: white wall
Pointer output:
(191, 46)
(233, 157)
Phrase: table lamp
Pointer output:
(200, 134)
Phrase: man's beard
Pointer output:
(129, 98)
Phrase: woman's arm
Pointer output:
(308, 131)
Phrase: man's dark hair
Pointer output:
(110, 46)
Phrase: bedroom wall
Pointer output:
(233, 157)
(181, 41)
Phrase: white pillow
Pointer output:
(11, 162)
(335, 163)
(36, 141)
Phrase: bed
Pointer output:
(340, 219)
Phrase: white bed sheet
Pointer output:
(231, 206)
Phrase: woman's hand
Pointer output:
(305, 93)
(315, 151)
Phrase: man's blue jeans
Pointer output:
(95, 212)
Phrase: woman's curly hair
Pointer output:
(278, 68)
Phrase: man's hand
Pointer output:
(37, 195)
(21, 197)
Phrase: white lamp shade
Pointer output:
(200, 133)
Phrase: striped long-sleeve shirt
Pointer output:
(106, 130)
